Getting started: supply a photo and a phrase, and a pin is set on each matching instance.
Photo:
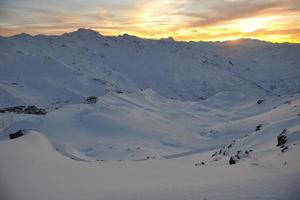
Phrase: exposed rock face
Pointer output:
(258, 127)
(260, 101)
(119, 92)
(91, 100)
(17, 134)
(232, 161)
(198, 164)
(15, 109)
(24, 110)
(284, 149)
(239, 155)
(34, 110)
(281, 138)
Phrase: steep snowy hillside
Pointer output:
(148, 119)
(75, 65)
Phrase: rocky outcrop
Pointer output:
(281, 138)
(17, 134)
(119, 92)
(91, 100)
(258, 127)
(34, 110)
(260, 101)
(238, 156)
(232, 160)
(24, 110)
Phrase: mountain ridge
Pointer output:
(185, 70)
(169, 38)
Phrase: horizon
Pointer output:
(275, 21)
(236, 41)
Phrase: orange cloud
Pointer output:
(271, 20)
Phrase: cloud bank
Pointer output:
(271, 20)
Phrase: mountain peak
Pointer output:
(128, 36)
(168, 39)
(84, 32)
(23, 35)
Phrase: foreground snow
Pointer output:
(32, 169)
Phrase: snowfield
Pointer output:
(130, 118)
(34, 170)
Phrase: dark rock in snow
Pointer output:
(260, 101)
(214, 154)
(17, 134)
(284, 131)
(119, 92)
(15, 109)
(91, 100)
(284, 149)
(239, 155)
(258, 127)
(34, 110)
(24, 110)
(232, 161)
(281, 138)
(198, 164)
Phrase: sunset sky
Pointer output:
(209, 20)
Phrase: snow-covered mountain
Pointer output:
(82, 63)
(182, 109)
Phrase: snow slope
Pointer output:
(163, 107)
(34, 170)
(74, 65)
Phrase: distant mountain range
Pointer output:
(43, 70)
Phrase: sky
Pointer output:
(205, 20)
